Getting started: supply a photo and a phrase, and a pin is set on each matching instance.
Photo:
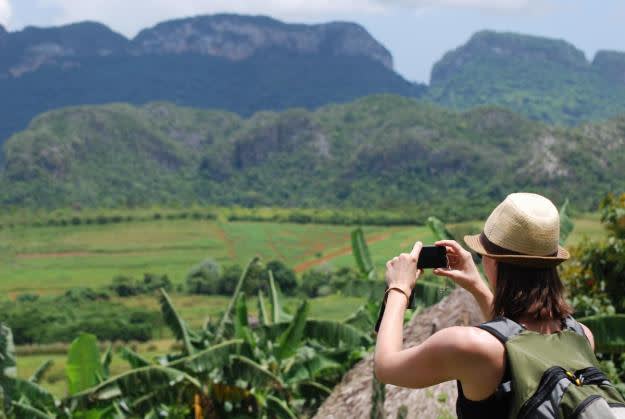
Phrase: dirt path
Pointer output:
(304, 266)
(223, 236)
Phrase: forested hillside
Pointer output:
(544, 79)
(378, 152)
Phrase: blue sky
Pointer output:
(417, 32)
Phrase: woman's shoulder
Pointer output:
(471, 343)
(477, 357)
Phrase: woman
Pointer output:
(520, 252)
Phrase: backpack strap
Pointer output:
(502, 328)
(574, 325)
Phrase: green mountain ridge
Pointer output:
(545, 79)
(377, 152)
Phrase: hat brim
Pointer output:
(475, 244)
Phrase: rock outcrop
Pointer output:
(232, 37)
(352, 397)
(236, 37)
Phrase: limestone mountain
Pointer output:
(238, 63)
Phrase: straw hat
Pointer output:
(523, 230)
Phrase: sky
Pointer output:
(417, 32)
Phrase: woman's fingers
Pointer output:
(453, 248)
(416, 249)
(449, 273)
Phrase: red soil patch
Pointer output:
(336, 253)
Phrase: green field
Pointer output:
(49, 260)
(52, 259)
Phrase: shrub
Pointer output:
(313, 281)
(284, 276)
(229, 278)
(124, 286)
(204, 278)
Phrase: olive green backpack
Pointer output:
(556, 375)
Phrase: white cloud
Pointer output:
(129, 17)
(5, 12)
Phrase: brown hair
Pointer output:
(538, 293)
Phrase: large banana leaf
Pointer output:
(291, 339)
(361, 319)
(278, 409)
(83, 363)
(106, 360)
(134, 359)
(241, 326)
(263, 316)
(203, 362)
(277, 314)
(320, 365)
(361, 253)
(335, 334)
(428, 293)
(566, 224)
(41, 371)
(32, 394)
(175, 322)
(439, 230)
(608, 331)
(137, 386)
(245, 370)
(225, 318)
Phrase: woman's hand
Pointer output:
(462, 269)
(402, 272)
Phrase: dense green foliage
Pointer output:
(595, 275)
(123, 286)
(594, 279)
(544, 79)
(41, 320)
(379, 152)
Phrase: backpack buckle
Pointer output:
(577, 380)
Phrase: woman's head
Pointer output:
(520, 249)
(521, 292)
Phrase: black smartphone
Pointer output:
(432, 257)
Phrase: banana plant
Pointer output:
(226, 316)
(284, 364)
(361, 253)
(566, 223)
(439, 229)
